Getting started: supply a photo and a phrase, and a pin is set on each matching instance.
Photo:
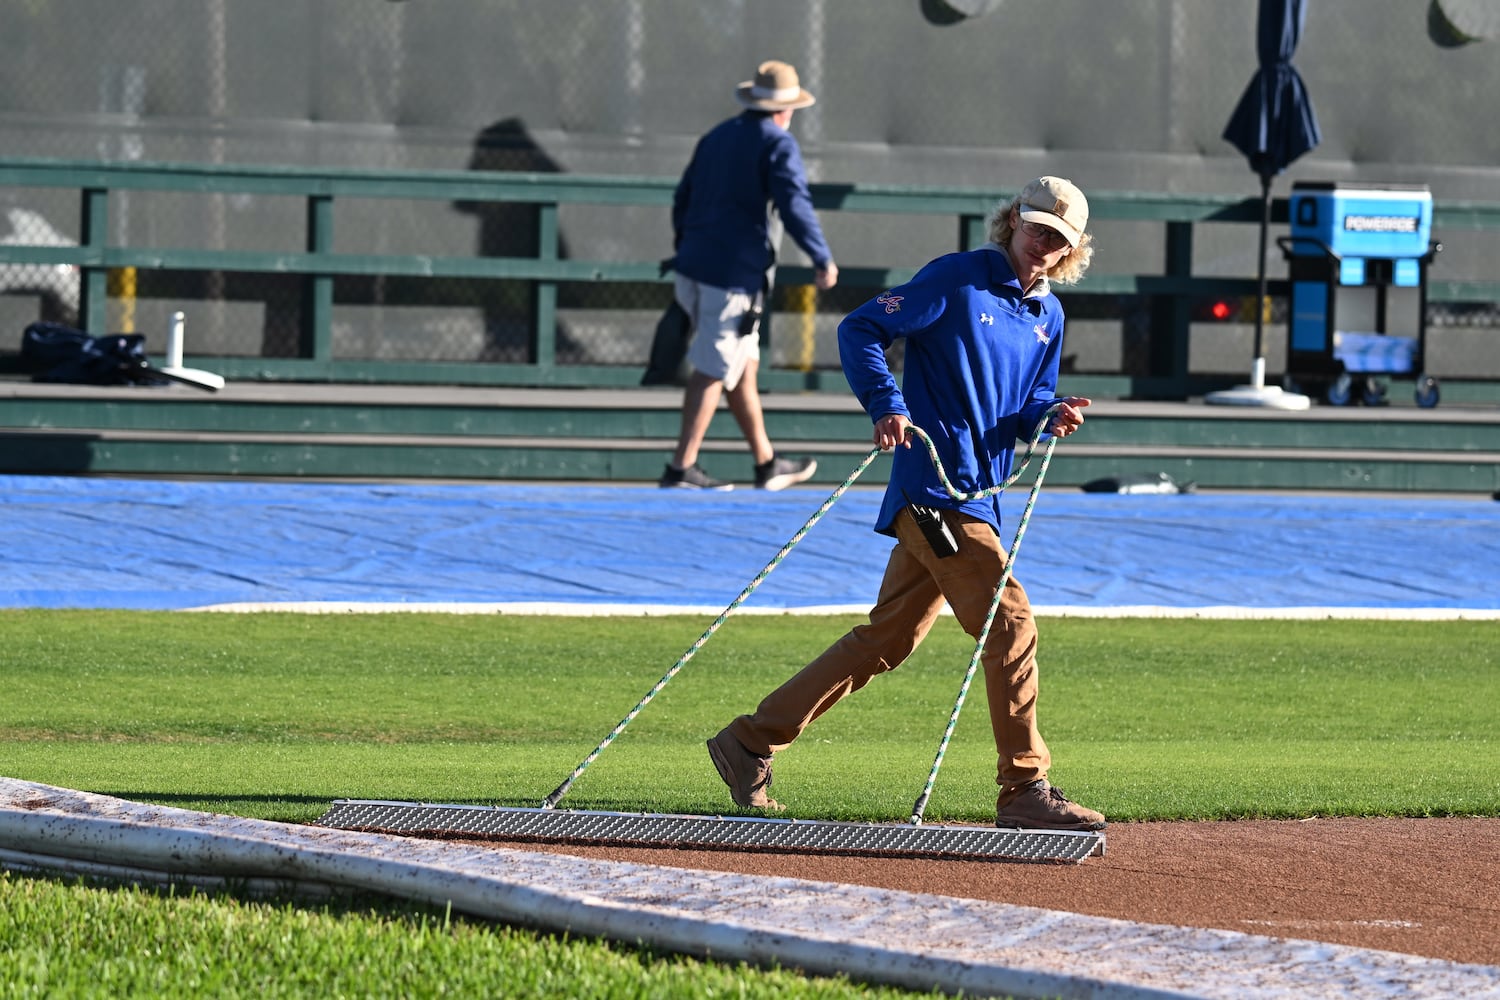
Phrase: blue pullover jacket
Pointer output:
(980, 371)
(719, 211)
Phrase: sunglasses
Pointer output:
(1049, 238)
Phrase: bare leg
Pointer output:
(744, 403)
(699, 401)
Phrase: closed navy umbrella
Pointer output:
(1273, 124)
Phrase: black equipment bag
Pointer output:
(55, 352)
(668, 364)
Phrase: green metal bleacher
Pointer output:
(318, 414)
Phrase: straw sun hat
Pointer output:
(775, 88)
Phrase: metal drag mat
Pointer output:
(749, 833)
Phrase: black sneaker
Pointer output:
(779, 473)
(692, 478)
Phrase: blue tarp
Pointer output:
(155, 544)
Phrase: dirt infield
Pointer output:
(1418, 886)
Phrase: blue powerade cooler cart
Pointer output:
(1357, 259)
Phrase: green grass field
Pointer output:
(275, 715)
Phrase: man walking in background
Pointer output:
(743, 186)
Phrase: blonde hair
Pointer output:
(1068, 270)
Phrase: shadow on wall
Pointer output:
(27, 453)
(510, 229)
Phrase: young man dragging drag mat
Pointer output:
(983, 339)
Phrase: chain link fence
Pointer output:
(1129, 96)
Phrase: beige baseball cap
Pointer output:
(1056, 202)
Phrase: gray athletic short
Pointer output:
(717, 349)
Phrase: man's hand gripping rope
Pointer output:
(1062, 418)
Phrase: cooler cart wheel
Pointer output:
(1427, 392)
(1341, 390)
(1372, 392)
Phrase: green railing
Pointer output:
(1173, 287)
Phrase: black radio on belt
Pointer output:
(750, 321)
(939, 536)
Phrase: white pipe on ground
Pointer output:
(197, 376)
(174, 341)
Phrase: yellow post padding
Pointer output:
(122, 288)
(802, 301)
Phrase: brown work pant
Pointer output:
(912, 593)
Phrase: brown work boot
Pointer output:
(1038, 806)
(748, 775)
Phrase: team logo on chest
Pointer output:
(891, 302)
(1042, 336)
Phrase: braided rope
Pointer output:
(551, 800)
(989, 491)
(833, 497)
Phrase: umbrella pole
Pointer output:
(1258, 365)
(1256, 393)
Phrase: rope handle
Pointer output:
(989, 491)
